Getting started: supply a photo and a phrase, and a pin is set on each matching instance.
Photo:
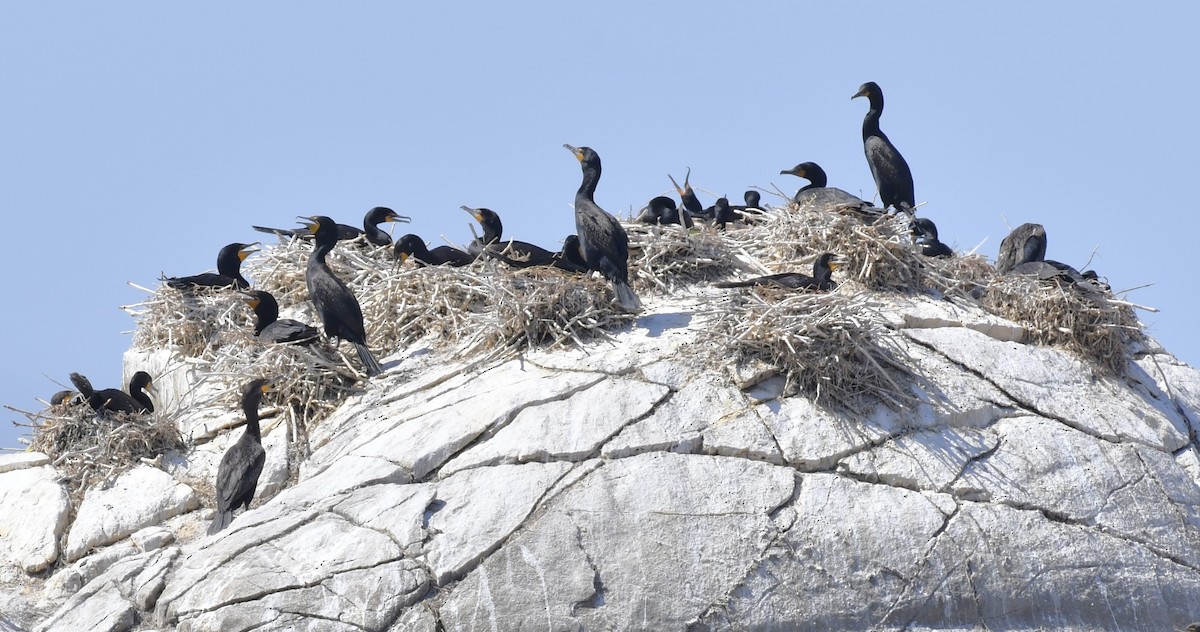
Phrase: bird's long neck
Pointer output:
(252, 427)
(591, 177)
(374, 233)
(267, 314)
(322, 249)
(871, 120)
(822, 273)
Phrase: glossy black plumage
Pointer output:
(818, 194)
(345, 232)
(892, 175)
(687, 196)
(570, 252)
(336, 305)
(237, 476)
(229, 270)
(268, 327)
(1023, 252)
(821, 279)
(925, 232)
(413, 246)
(602, 240)
(115, 400)
(662, 210)
(517, 253)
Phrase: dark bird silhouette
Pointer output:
(412, 246)
(237, 476)
(229, 270)
(662, 210)
(602, 239)
(691, 203)
(336, 305)
(66, 398)
(925, 232)
(571, 253)
(818, 194)
(269, 327)
(345, 232)
(1023, 252)
(892, 175)
(753, 203)
(115, 400)
(821, 279)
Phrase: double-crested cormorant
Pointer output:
(753, 202)
(723, 213)
(65, 398)
(602, 239)
(269, 327)
(818, 194)
(336, 305)
(925, 231)
(520, 253)
(412, 246)
(1023, 251)
(237, 476)
(820, 280)
(571, 253)
(345, 232)
(892, 176)
(229, 270)
(115, 400)
(662, 210)
(691, 203)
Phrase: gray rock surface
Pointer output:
(33, 517)
(141, 497)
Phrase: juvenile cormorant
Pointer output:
(691, 203)
(115, 400)
(892, 176)
(412, 246)
(345, 232)
(336, 305)
(662, 210)
(269, 327)
(237, 476)
(229, 270)
(602, 239)
(925, 231)
(818, 194)
(820, 280)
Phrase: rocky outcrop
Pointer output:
(632, 485)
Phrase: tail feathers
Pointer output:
(626, 298)
(368, 360)
(220, 521)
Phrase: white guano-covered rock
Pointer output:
(33, 516)
(141, 497)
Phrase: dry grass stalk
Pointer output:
(832, 347)
(661, 258)
(1093, 325)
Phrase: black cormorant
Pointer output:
(662, 210)
(925, 231)
(571, 253)
(345, 232)
(820, 280)
(115, 400)
(237, 476)
(229, 270)
(753, 202)
(891, 173)
(335, 303)
(1023, 251)
(65, 398)
(412, 246)
(691, 203)
(519, 253)
(269, 327)
(818, 194)
(602, 239)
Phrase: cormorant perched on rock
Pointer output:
(821, 279)
(662, 210)
(237, 476)
(892, 176)
(269, 327)
(925, 231)
(335, 303)
(691, 203)
(817, 193)
(345, 232)
(602, 239)
(229, 270)
(412, 246)
(115, 400)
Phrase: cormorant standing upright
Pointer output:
(237, 476)
(335, 303)
(602, 239)
(892, 175)
(229, 270)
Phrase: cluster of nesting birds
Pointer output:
(599, 245)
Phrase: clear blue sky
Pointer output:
(140, 137)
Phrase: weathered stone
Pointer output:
(111, 600)
(743, 435)
(152, 538)
(22, 460)
(926, 460)
(812, 438)
(33, 518)
(141, 497)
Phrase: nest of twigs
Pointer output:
(1090, 322)
(831, 347)
(662, 258)
(89, 449)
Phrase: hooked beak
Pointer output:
(575, 150)
(473, 212)
(861, 93)
(309, 223)
(396, 217)
(247, 250)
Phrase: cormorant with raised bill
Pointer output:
(237, 476)
(821, 279)
(602, 240)
(691, 203)
(925, 232)
(412, 246)
(229, 270)
(335, 303)
(892, 176)
(345, 232)
(269, 327)
(818, 194)
(114, 399)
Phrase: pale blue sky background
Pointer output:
(140, 137)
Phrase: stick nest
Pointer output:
(832, 348)
(662, 258)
